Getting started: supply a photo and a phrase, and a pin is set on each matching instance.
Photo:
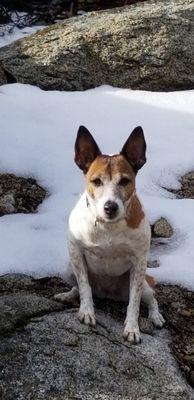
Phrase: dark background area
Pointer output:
(50, 10)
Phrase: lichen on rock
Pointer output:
(149, 46)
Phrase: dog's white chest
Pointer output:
(109, 249)
(110, 254)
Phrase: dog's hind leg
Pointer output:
(149, 299)
(68, 297)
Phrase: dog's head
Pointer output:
(110, 180)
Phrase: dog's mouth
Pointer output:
(108, 220)
(110, 217)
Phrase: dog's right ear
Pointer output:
(86, 149)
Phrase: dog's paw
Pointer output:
(132, 334)
(67, 297)
(87, 316)
(157, 319)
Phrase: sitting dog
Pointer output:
(109, 234)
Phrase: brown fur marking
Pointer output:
(135, 213)
(151, 281)
(111, 168)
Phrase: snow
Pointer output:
(17, 33)
(37, 134)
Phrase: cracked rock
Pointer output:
(46, 353)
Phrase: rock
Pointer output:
(176, 304)
(15, 282)
(3, 79)
(192, 378)
(153, 264)
(17, 309)
(7, 204)
(149, 46)
(19, 194)
(58, 358)
(162, 228)
(187, 187)
(50, 355)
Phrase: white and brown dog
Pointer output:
(109, 234)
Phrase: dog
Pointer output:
(109, 233)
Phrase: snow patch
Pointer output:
(37, 134)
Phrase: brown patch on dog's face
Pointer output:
(98, 174)
(112, 170)
(110, 180)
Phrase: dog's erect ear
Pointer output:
(134, 149)
(86, 149)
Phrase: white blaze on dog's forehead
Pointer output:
(109, 193)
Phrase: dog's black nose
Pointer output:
(111, 208)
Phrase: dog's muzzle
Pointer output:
(111, 209)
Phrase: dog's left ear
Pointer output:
(134, 149)
(86, 149)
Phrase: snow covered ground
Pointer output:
(37, 134)
(7, 37)
(18, 34)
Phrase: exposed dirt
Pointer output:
(187, 187)
(177, 306)
(19, 195)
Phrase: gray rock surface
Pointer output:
(46, 354)
(3, 79)
(187, 182)
(153, 264)
(7, 204)
(19, 194)
(162, 228)
(16, 309)
(144, 46)
(186, 190)
(58, 358)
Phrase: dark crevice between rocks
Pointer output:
(19, 195)
(9, 77)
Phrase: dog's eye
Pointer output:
(97, 182)
(124, 181)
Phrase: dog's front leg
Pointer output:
(78, 262)
(137, 276)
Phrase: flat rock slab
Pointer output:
(16, 309)
(45, 353)
(55, 357)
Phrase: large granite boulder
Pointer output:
(46, 354)
(149, 45)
